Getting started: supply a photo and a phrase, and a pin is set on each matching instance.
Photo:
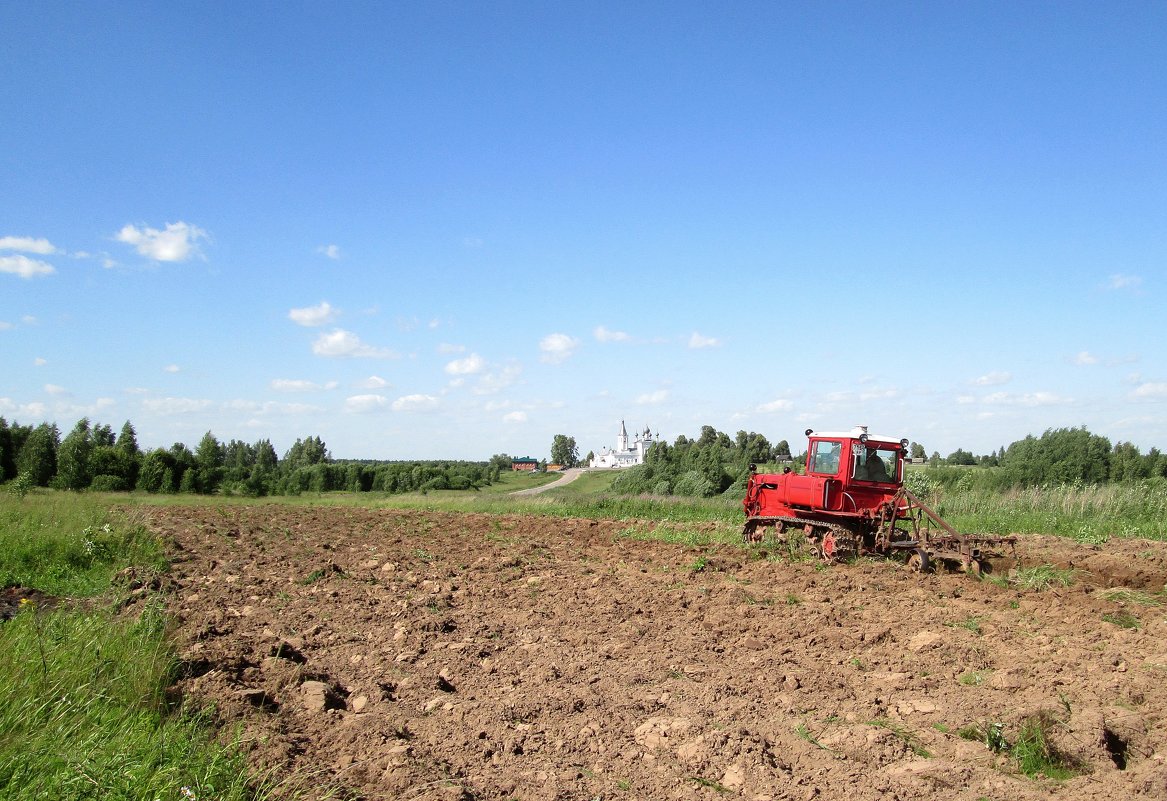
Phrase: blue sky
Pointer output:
(448, 230)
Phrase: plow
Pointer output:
(851, 501)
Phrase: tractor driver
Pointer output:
(876, 470)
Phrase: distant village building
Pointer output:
(526, 463)
(627, 453)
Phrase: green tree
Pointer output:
(208, 462)
(73, 457)
(917, 451)
(564, 451)
(7, 453)
(38, 454)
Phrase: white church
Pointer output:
(627, 453)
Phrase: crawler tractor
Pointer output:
(852, 501)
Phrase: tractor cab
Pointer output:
(850, 473)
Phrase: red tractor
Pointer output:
(852, 501)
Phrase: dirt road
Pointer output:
(410, 655)
(569, 475)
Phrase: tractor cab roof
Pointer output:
(855, 433)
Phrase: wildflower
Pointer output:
(189, 794)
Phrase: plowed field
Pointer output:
(385, 654)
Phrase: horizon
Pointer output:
(445, 229)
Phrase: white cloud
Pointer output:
(653, 398)
(331, 251)
(602, 334)
(171, 368)
(1028, 399)
(40, 362)
(447, 348)
(557, 348)
(1120, 281)
(698, 341)
(1150, 391)
(415, 403)
(28, 319)
(25, 267)
(6, 326)
(993, 379)
(469, 366)
(268, 408)
(877, 394)
(53, 389)
(299, 385)
(515, 417)
(1085, 358)
(339, 343)
(178, 242)
(362, 404)
(779, 405)
(497, 381)
(965, 400)
(314, 316)
(166, 406)
(26, 244)
(372, 382)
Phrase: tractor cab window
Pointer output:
(824, 457)
(874, 464)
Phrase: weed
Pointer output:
(972, 623)
(1126, 595)
(698, 564)
(1034, 754)
(703, 782)
(989, 733)
(910, 739)
(940, 727)
(624, 784)
(793, 600)
(1122, 619)
(1042, 577)
(805, 733)
(974, 678)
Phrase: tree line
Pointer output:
(713, 463)
(92, 457)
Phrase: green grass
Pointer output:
(84, 711)
(1042, 577)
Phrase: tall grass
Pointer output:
(83, 707)
(1089, 513)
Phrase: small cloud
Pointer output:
(25, 267)
(698, 341)
(314, 316)
(498, 380)
(1085, 358)
(557, 348)
(169, 406)
(1121, 281)
(602, 334)
(372, 382)
(994, 379)
(40, 362)
(53, 389)
(415, 403)
(6, 326)
(26, 244)
(339, 343)
(28, 319)
(1031, 399)
(1150, 391)
(515, 417)
(779, 405)
(965, 400)
(171, 368)
(330, 251)
(178, 242)
(362, 404)
(433, 324)
(299, 385)
(446, 348)
(469, 366)
(653, 398)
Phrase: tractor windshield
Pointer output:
(824, 457)
(874, 463)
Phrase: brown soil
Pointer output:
(411, 655)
